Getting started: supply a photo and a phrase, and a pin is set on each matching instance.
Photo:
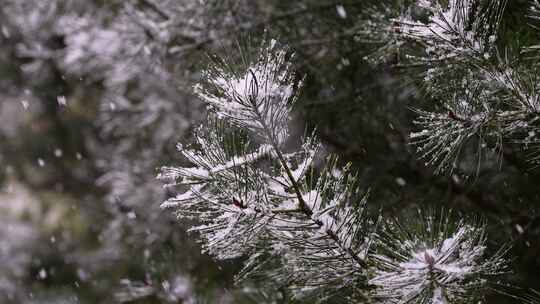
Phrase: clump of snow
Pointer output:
(257, 99)
(448, 270)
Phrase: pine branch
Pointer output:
(485, 100)
(253, 98)
(245, 207)
(434, 260)
(307, 228)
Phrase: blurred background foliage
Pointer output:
(94, 96)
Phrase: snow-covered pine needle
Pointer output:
(259, 97)
(433, 259)
(224, 192)
(487, 99)
(447, 32)
(258, 199)
(326, 253)
(443, 135)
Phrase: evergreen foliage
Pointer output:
(324, 148)
(269, 202)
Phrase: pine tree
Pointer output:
(95, 94)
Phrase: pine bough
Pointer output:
(486, 93)
(301, 220)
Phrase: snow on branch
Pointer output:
(330, 252)
(259, 97)
(255, 198)
(465, 117)
(461, 30)
(433, 259)
(306, 226)
(485, 98)
(456, 31)
(223, 191)
(520, 87)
